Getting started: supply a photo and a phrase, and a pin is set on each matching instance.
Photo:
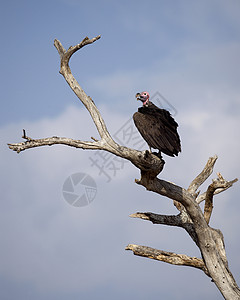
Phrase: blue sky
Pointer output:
(186, 50)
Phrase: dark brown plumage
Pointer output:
(157, 127)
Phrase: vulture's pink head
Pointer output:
(143, 96)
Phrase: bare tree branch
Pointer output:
(168, 257)
(205, 241)
(145, 161)
(150, 162)
(181, 220)
(31, 143)
(219, 183)
(202, 177)
(198, 181)
(74, 85)
(191, 218)
(202, 197)
(159, 219)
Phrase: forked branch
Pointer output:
(219, 183)
(192, 219)
(65, 70)
(202, 177)
(149, 163)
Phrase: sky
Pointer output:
(186, 54)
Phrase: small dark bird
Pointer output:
(157, 126)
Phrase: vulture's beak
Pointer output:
(138, 96)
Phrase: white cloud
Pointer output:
(58, 247)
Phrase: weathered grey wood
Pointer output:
(201, 178)
(209, 240)
(208, 245)
(168, 257)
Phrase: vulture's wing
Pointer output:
(159, 130)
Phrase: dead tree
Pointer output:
(213, 261)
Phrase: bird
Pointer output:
(157, 127)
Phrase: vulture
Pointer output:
(157, 126)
